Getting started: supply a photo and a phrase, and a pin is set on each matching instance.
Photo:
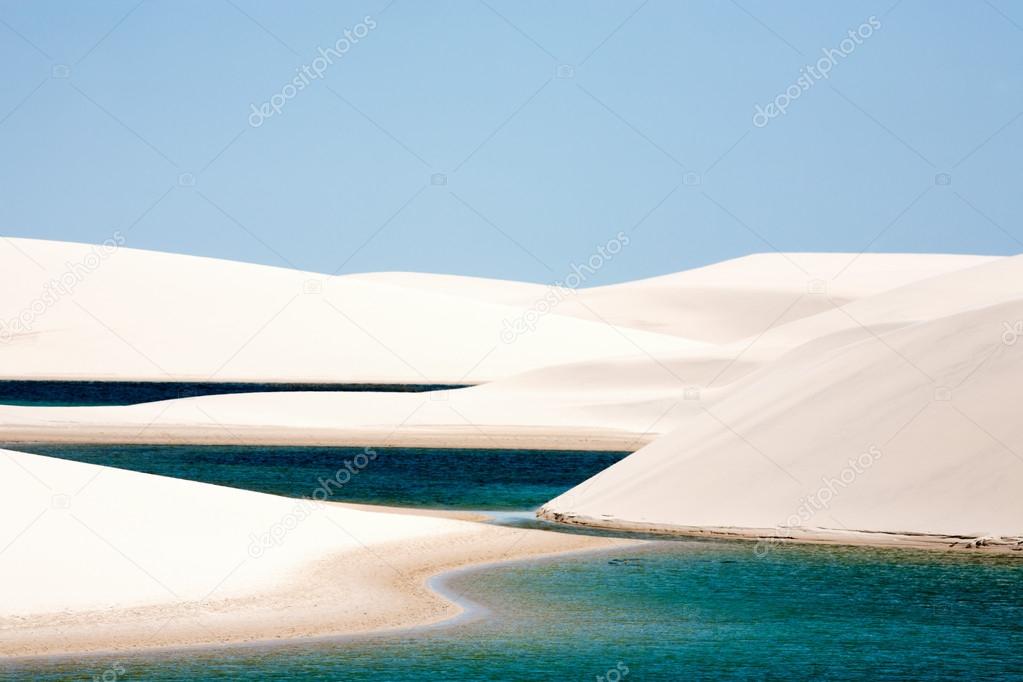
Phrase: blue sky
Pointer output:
(511, 139)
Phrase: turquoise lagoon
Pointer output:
(668, 610)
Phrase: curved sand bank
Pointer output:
(902, 427)
(464, 418)
(94, 559)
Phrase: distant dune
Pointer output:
(604, 368)
(155, 316)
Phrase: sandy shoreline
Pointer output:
(766, 537)
(98, 559)
(380, 588)
(457, 514)
(448, 437)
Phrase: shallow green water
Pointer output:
(417, 477)
(667, 611)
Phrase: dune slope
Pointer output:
(906, 427)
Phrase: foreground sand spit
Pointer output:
(96, 558)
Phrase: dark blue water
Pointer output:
(454, 479)
(84, 393)
(687, 610)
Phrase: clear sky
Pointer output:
(513, 138)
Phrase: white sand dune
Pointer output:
(95, 558)
(922, 383)
(577, 381)
(759, 384)
(718, 303)
(181, 538)
(130, 314)
(142, 315)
